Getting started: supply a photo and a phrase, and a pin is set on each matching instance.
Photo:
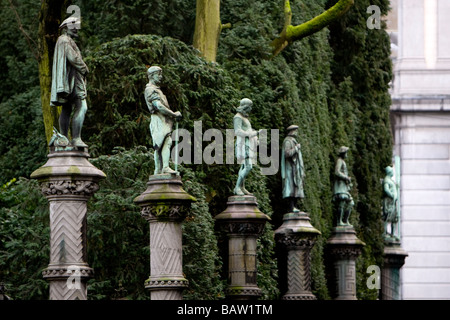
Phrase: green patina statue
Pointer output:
(292, 169)
(341, 189)
(246, 144)
(390, 215)
(69, 81)
(162, 120)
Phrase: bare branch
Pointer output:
(292, 33)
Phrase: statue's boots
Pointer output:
(168, 170)
(77, 142)
(238, 191)
(346, 217)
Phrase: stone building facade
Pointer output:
(420, 118)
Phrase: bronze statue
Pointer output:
(292, 169)
(342, 187)
(69, 81)
(162, 120)
(246, 144)
(390, 214)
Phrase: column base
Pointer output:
(295, 239)
(242, 222)
(344, 247)
(299, 296)
(164, 204)
(68, 180)
(394, 259)
(243, 293)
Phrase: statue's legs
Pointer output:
(157, 157)
(341, 208)
(165, 154)
(292, 201)
(237, 189)
(245, 169)
(77, 122)
(348, 209)
(394, 227)
(64, 119)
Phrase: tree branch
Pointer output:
(292, 33)
(31, 43)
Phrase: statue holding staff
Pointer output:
(162, 119)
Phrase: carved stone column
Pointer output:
(295, 238)
(68, 180)
(394, 259)
(164, 205)
(243, 223)
(345, 247)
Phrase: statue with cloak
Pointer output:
(69, 81)
(292, 169)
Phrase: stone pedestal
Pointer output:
(243, 223)
(164, 205)
(68, 180)
(394, 259)
(295, 239)
(344, 247)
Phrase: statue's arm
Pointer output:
(75, 59)
(387, 190)
(338, 173)
(239, 131)
(158, 105)
(289, 149)
(237, 124)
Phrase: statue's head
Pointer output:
(292, 130)
(71, 26)
(245, 106)
(389, 171)
(342, 152)
(154, 73)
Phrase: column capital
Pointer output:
(164, 199)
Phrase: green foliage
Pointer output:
(17, 60)
(104, 21)
(23, 147)
(24, 239)
(117, 235)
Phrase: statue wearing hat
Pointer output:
(69, 81)
(390, 214)
(162, 119)
(246, 144)
(342, 187)
(292, 169)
